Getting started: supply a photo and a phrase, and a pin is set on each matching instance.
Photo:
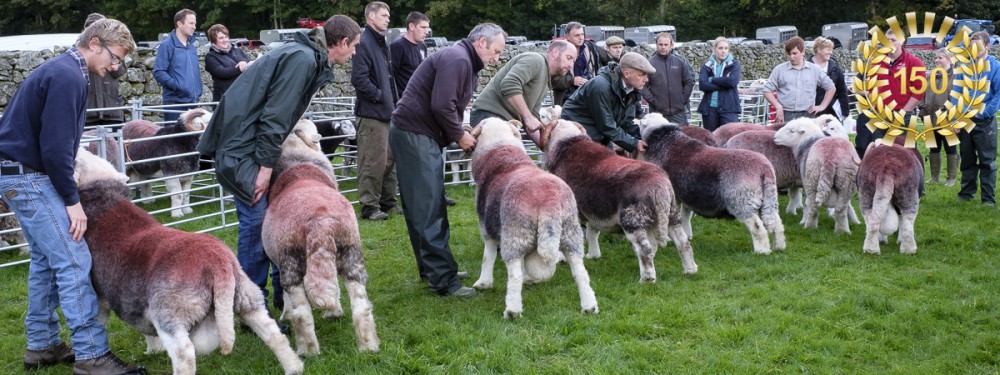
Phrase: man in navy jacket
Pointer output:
(176, 67)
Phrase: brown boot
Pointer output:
(107, 364)
(54, 355)
(935, 160)
(952, 170)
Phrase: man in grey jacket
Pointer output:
(371, 75)
(254, 118)
(669, 89)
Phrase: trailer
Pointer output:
(601, 33)
(647, 34)
(846, 34)
(278, 35)
(777, 34)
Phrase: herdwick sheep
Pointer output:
(786, 168)
(696, 132)
(832, 127)
(828, 165)
(179, 188)
(179, 289)
(719, 183)
(613, 191)
(889, 182)
(335, 133)
(528, 214)
(110, 148)
(311, 233)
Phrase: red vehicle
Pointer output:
(921, 41)
(309, 23)
(248, 44)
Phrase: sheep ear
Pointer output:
(516, 123)
(578, 126)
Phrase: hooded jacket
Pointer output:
(371, 76)
(669, 89)
(261, 108)
(605, 110)
(729, 97)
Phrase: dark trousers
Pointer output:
(420, 172)
(713, 119)
(250, 249)
(478, 115)
(864, 136)
(979, 153)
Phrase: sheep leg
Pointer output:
(361, 315)
(873, 221)
(267, 329)
(179, 347)
(176, 200)
(588, 301)
(907, 241)
(852, 214)
(645, 252)
(774, 226)
(761, 245)
(593, 245)
(841, 217)
(186, 189)
(103, 311)
(684, 249)
(794, 200)
(153, 344)
(810, 215)
(515, 281)
(686, 215)
(145, 190)
(299, 312)
(489, 259)
(455, 172)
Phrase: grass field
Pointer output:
(820, 307)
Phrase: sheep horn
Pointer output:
(305, 139)
(516, 123)
(546, 132)
(476, 131)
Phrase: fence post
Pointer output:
(136, 108)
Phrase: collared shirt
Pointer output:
(796, 88)
(83, 63)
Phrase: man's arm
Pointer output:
(361, 72)
(445, 96)
(687, 81)
(161, 68)
(531, 123)
(600, 105)
(277, 117)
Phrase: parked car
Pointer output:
(437, 41)
(147, 44)
(516, 40)
(247, 43)
(921, 41)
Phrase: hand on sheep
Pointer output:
(579, 81)
(77, 220)
(531, 124)
(261, 184)
(467, 143)
(641, 147)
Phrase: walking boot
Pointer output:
(952, 170)
(54, 355)
(935, 161)
(108, 364)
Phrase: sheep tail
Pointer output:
(826, 182)
(550, 233)
(769, 202)
(225, 295)
(667, 214)
(320, 280)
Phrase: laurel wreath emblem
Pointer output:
(969, 91)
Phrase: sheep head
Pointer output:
(795, 131)
(347, 128)
(832, 126)
(304, 136)
(653, 119)
(549, 114)
(91, 168)
(493, 132)
(558, 130)
(196, 119)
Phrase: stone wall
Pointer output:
(138, 83)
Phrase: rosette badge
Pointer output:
(970, 84)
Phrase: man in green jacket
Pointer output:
(605, 105)
(256, 115)
(517, 90)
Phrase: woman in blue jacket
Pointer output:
(718, 78)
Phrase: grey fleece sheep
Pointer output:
(528, 214)
(786, 168)
(828, 166)
(716, 182)
(889, 182)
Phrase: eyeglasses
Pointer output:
(115, 60)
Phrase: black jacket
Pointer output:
(103, 93)
(669, 89)
(222, 67)
(371, 75)
(604, 108)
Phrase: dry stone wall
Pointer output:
(138, 83)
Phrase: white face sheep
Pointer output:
(889, 182)
(786, 168)
(528, 214)
(828, 166)
(179, 289)
(612, 191)
(832, 127)
(136, 149)
(311, 233)
(719, 183)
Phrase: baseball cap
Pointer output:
(614, 40)
(636, 61)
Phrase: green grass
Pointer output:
(820, 307)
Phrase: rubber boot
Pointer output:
(952, 170)
(935, 160)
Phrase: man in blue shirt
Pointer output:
(46, 117)
(176, 67)
(978, 145)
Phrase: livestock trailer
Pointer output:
(647, 34)
(777, 34)
(846, 34)
(600, 33)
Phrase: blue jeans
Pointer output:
(59, 273)
(250, 248)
